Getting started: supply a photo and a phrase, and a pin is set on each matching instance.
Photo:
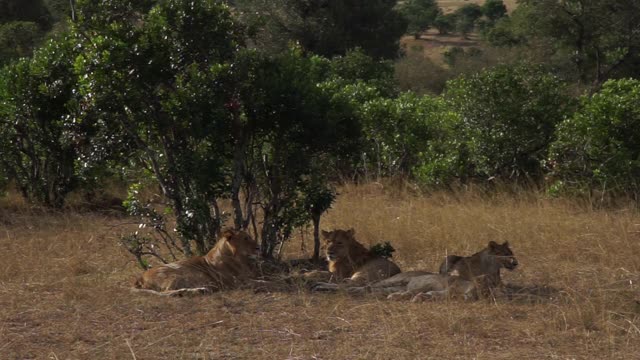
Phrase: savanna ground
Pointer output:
(65, 288)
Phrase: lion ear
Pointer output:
(351, 232)
(325, 234)
(506, 243)
(493, 244)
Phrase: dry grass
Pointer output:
(64, 289)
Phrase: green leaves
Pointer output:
(508, 119)
(39, 145)
(599, 146)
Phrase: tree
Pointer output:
(598, 148)
(22, 25)
(494, 10)
(36, 137)
(599, 36)
(509, 114)
(18, 39)
(445, 23)
(466, 17)
(402, 132)
(160, 76)
(420, 15)
(327, 27)
(294, 129)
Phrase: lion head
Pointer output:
(503, 254)
(235, 243)
(341, 244)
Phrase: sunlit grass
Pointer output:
(64, 287)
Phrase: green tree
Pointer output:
(466, 17)
(508, 119)
(294, 130)
(36, 136)
(23, 23)
(18, 39)
(402, 132)
(161, 77)
(420, 15)
(598, 148)
(445, 23)
(598, 36)
(494, 10)
(328, 27)
(25, 10)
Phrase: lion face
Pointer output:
(241, 243)
(337, 243)
(504, 254)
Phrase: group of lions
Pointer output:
(351, 266)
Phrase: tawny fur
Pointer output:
(485, 263)
(348, 259)
(226, 266)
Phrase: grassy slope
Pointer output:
(434, 45)
(64, 289)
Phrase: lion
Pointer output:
(226, 266)
(421, 286)
(485, 263)
(350, 262)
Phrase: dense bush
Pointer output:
(39, 141)
(508, 114)
(598, 148)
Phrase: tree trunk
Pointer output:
(316, 237)
(238, 171)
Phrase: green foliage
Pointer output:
(504, 33)
(383, 250)
(466, 17)
(445, 23)
(25, 10)
(23, 24)
(420, 15)
(294, 126)
(597, 37)
(160, 78)
(37, 139)
(399, 132)
(508, 119)
(326, 28)
(598, 148)
(18, 39)
(494, 10)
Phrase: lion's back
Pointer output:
(376, 269)
(188, 273)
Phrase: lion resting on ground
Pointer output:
(351, 262)
(348, 259)
(485, 263)
(475, 275)
(226, 266)
(421, 286)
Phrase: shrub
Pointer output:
(598, 148)
(509, 114)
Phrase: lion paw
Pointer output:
(422, 297)
(399, 296)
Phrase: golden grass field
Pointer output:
(65, 288)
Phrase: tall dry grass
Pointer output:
(64, 288)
